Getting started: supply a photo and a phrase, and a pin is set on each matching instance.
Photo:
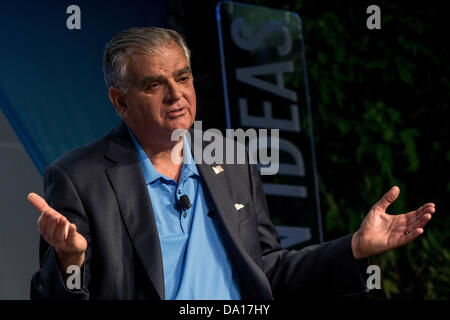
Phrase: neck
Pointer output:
(164, 164)
(162, 153)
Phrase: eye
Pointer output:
(152, 86)
(184, 79)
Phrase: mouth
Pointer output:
(176, 112)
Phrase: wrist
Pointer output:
(355, 246)
(67, 259)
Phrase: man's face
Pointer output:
(162, 96)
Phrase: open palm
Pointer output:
(380, 232)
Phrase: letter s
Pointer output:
(239, 25)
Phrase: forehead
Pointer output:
(164, 60)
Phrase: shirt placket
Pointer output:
(185, 213)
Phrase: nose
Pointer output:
(174, 93)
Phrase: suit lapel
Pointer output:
(135, 206)
(253, 278)
(217, 186)
(218, 190)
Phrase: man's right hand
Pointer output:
(70, 246)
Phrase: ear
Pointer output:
(117, 98)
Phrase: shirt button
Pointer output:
(179, 191)
(184, 215)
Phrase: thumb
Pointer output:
(37, 201)
(388, 198)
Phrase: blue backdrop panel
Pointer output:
(51, 81)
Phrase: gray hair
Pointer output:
(137, 39)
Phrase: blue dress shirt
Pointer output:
(196, 264)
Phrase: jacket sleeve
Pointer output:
(47, 283)
(329, 269)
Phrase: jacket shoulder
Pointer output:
(90, 154)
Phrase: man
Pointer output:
(141, 226)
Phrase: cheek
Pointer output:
(193, 101)
(146, 108)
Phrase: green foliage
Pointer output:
(380, 101)
(380, 109)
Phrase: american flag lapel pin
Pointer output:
(217, 169)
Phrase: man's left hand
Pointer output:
(381, 232)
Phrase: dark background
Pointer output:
(380, 115)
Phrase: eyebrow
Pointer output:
(160, 78)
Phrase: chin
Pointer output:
(182, 124)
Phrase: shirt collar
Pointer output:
(151, 174)
(188, 160)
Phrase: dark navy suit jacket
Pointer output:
(101, 188)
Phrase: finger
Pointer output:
(420, 223)
(37, 201)
(61, 230)
(428, 208)
(416, 215)
(426, 211)
(43, 221)
(49, 230)
(71, 233)
(40, 204)
(410, 236)
(425, 207)
(388, 198)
